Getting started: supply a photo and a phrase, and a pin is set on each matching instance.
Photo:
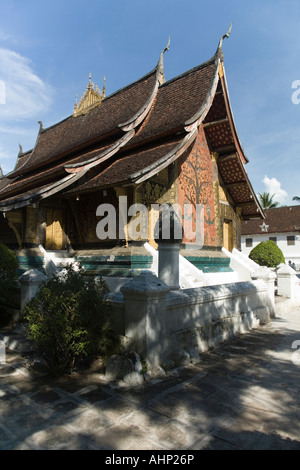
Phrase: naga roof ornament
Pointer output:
(161, 73)
(219, 49)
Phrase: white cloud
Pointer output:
(27, 99)
(4, 36)
(27, 95)
(273, 186)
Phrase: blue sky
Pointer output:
(48, 49)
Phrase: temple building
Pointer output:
(153, 142)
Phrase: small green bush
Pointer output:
(8, 276)
(267, 254)
(69, 319)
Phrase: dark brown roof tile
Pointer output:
(280, 219)
(76, 131)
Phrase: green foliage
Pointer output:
(267, 254)
(8, 276)
(69, 320)
(8, 264)
(267, 202)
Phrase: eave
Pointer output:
(223, 140)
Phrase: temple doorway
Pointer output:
(55, 235)
(228, 235)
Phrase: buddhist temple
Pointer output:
(153, 141)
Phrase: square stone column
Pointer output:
(287, 281)
(30, 282)
(145, 304)
(168, 264)
(268, 277)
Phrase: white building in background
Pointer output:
(282, 225)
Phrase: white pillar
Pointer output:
(30, 282)
(145, 304)
(287, 281)
(168, 264)
(268, 276)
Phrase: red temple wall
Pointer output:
(195, 185)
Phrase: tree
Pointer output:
(296, 198)
(68, 319)
(267, 201)
(267, 253)
(8, 276)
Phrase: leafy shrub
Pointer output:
(68, 319)
(8, 276)
(267, 254)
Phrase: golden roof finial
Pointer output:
(104, 88)
(76, 105)
(90, 81)
(90, 100)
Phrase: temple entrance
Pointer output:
(55, 235)
(227, 235)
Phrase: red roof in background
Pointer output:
(280, 219)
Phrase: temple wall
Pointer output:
(195, 185)
(193, 179)
(160, 189)
(228, 219)
(167, 327)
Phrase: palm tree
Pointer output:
(296, 198)
(267, 201)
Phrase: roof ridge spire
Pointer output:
(160, 65)
(219, 52)
(104, 88)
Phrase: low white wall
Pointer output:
(198, 319)
(170, 327)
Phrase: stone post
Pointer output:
(268, 276)
(286, 281)
(30, 284)
(168, 264)
(169, 242)
(145, 304)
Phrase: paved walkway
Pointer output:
(244, 395)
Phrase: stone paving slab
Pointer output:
(244, 395)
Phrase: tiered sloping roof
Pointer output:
(132, 135)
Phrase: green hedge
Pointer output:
(8, 276)
(69, 320)
(267, 254)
